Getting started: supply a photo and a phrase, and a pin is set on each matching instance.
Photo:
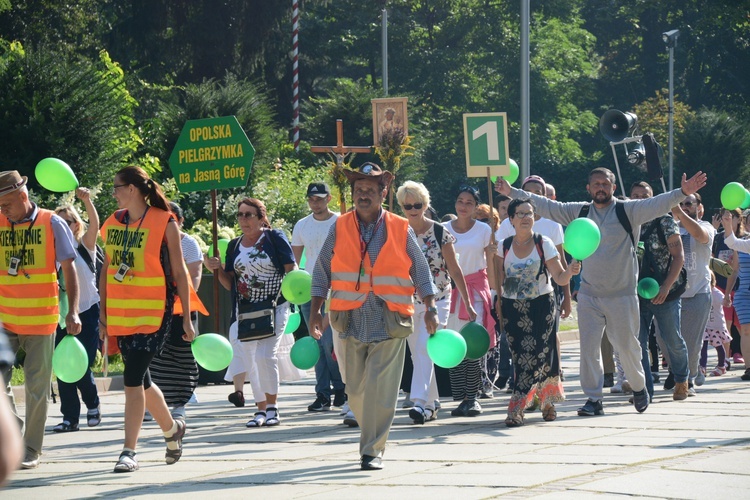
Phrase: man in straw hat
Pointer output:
(33, 241)
(371, 262)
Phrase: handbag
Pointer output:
(256, 320)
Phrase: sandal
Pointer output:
(65, 426)
(430, 414)
(126, 462)
(172, 456)
(718, 371)
(273, 416)
(94, 417)
(549, 413)
(258, 420)
(237, 399)
(516, 421)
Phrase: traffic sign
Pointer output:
(212, 153)
(486, 144)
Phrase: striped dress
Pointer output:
(742, 295)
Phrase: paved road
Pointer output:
(698, 448)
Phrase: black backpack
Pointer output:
(621, 216)
(647, 268)
(507, 242)
(95, 267)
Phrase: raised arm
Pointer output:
(89, 237)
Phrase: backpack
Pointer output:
(95, 267)
(647, 266)
(507, 242)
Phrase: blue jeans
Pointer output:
(327, 372)
(667, 315)
(70, 405)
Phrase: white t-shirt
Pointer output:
(88, 295)
(520, 274)
(191, 250)
(311, 234)
(545, 227)
(470, 246)
(697, 257)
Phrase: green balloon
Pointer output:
(55, 175)
(212, 351)
(222, 243)
(305, 353)
(512, 176)
(648, 288)
(446, 348)
(294, 321)
(303, 260)
(70, 360)
(477, 340)
(733, 195)
(582, 238)
(746, 203)
(296, 287)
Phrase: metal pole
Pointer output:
(295, 71)
(671, 117)
(384, 36)
(525, 163)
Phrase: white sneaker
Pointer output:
(350, 420)
(345, 409)
(616, 389)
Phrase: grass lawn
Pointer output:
(116, 367)
(571, 322)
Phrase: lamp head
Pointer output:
(670, 38)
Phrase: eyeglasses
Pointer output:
(416, 206)
(524, 215)
(246, 215)
(115, 187)
(686, 203)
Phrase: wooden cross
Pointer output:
(340, 151)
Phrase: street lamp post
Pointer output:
(670, 38)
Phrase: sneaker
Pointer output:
(616, 388)
(237, 399)
(737, 359)
(408, 403)
(746, 375)
(94, 417)
(344, 409)
(350, 420)
(339, 399)
(655, 377)
(701, 377)
(462, 410)
(640, 400)
(320, 404)
(691, 390)
(718, 371)
(473, 408)
(147, 417)
(669, 382)
(680, 391)
(591, 408)
(609, 379)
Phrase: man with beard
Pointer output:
(607, 296)
(372, 263)
(697, 240)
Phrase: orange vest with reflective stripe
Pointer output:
(389, 278)
(29, 304)
(137, 303)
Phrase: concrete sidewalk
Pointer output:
(698, 448)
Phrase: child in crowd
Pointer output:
(716, 332)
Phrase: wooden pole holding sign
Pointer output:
(211, 154)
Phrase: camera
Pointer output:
(13, 267)
(121, 272)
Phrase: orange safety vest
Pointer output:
(137, 303)
(29, 304)
(389, 278)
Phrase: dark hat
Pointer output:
(10, 181)
(319, 189)
(369, 171)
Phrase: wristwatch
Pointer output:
(432, 309)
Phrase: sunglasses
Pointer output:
(686, 203)
(246, 215)
(416, 206)
(468, 189)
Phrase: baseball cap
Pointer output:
(319, 189)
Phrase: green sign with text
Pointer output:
(486, 144)
(212, 153)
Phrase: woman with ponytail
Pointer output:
(143, 271)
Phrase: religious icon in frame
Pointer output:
(388, 113)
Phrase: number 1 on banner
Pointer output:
(486, 143)
(489, 129)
